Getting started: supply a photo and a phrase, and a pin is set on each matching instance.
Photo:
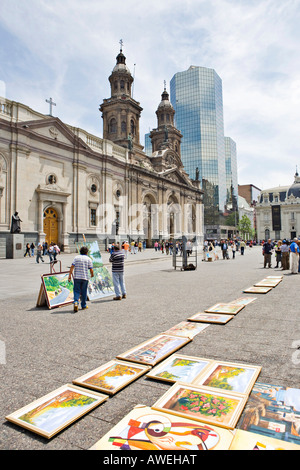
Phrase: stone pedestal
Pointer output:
(15, 245)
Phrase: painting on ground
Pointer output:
(211, 318)
(211, 406)
(229, 376)
(243, 300)
(257, 290)
(179, 368)
(155, 349)
(147, 429)
(101, 285)
(229, 308)
(273, 411)
(244, 440)
(58, 289)
(186, 328)
(112, 376)
(50, 414)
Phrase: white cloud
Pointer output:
(67, 50)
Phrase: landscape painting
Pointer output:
(146, 429)
(179, 368)
(211, 318)
(229, 308)
(53, 412)
(94, 252)
(112, 377)
(101, 285)
(154, 350)
(187, 329)
(205, 404)
(244, 440)
(230, 376)
(58, 289)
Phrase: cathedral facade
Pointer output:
(66, 183)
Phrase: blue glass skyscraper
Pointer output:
(196, 95)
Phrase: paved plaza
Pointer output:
(45, 349)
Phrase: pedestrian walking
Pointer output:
(80, 268)
(39, 253)
(243, 246)
(278, 253)
(27, 250)
(56, 251)
(294, 250)
(233, 249)
(32, 247)
(267, 252)
(285, 255)
(117, 260)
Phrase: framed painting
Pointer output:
(179, 368)
(58, 289)
(146, 429)
(94, 252)
(243, 300)
(112, 376)
(244, 440)
(50, 414)
(274, 277)
(257, 290)
(272, 410)
(268, 283)
(229, 308)
(186, 328)
(222, 319)
(155, 349)
(101, 285)
(229, 376)
(208, 405)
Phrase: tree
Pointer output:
(244, 226)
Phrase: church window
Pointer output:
(123, 126)
(132, 127)
(116, 85)
(93, 188)
(51, 179)
(168, 117)
(122, 83)
(93, 217)
(113, 126)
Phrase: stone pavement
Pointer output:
(45, 349)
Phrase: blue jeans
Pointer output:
(119, 283)
(80, 289)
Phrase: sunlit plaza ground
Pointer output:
(44, 349)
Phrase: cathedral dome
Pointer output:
(294, 190)
(121, 64)
(165, 102)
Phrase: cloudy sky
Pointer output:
(66, 49)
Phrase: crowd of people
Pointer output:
(41, 250)
(228, 248)
(286, 254)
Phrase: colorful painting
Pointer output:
(229, 308)
(244, 440)
(187, 329)
(112, 377)
(211, 318)
(146, 429)
(101, 285)
(243, 300)
(273, 411)
(229, 376)
(179, 368)
(58, 289)
(268, 282)
(205, 404)
(53, 412)
(154, 350)
(257, 290)
(94, 252)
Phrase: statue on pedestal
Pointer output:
(15, 223)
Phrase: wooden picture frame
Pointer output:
(154, 350)
(186, 328)
(230, 376)
(112, 376)
(228, 308)
(205, 317)
(268, 283)
(205, 404)
(33, 416)
(58, 290)
(179, 368)
(257, 290)
(146, 429)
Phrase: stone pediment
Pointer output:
(177, 176)
(53, 189)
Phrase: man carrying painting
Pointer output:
(80, 268)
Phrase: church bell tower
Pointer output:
(120, 112)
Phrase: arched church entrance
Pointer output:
(50, 225)
(149, 222)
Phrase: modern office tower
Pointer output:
(231, 174)
(196, 95)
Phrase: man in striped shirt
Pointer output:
(80, 268)
(117, 260)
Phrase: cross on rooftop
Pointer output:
(121, 44)
(51, 102)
